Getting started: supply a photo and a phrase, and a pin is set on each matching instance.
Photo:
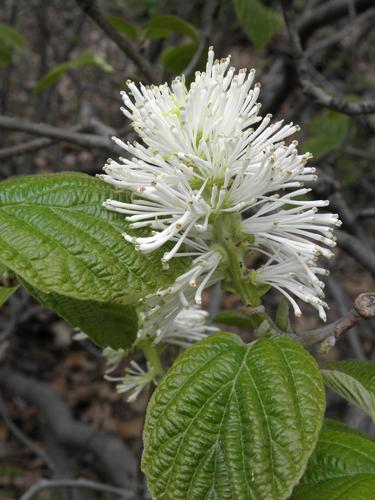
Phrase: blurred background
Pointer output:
(62, 67)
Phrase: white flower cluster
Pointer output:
(205, 151)
(135, 379)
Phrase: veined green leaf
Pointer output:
(57, 237)
(342, 467)
(177, 58)
(259, 22)
(11, 37)
(354, 380)
(327, 131)
(123, 26)
(86, 58)
(232, 421)
(107, 324)
(165, 25)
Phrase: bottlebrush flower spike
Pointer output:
(206, 151)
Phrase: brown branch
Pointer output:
(280, 78)
(354, 247)
(329, 12)
(110, 453)
(348, 217)
(363, 309)
(343, 304)
(16, 431)
(25, 147)
(58, 134)
(91, 8)
(365, 155)
(318, 92)
(366, 213)
(365, 18)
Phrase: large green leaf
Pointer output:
(259, 22)
(165, 25)
(327, 131)
(354, 380)
(342, 467)
(107, 324)
(87, 58)
(57, 237)
(233, 421)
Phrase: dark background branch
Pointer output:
(313, 89)
(109, 452)
(92, 9)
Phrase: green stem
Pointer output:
(237, 271)
(230, 238)
(153, 357)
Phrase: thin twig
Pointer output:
(363, 309)
(318, 92)
(25, 147)
(279, 81)
(16, 431)
(90, 125)
(343, 304)
(329, 12)
(44, 484)
(348, 217)
(364, 18)
(91, 8)
(204, 36)
(354, 247)
(366, 213)
(111, 454)
(45, 130)
(365, 155)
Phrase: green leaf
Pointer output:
(57, 237)
(232, 421)
(259, 22)
(342, 467)
(234, 318)
(165, 25)
(85, 59)
(113, 325)
(177, 58)
(5, 292)
(327, 131)
(354, 380)
(11, 37)
(5, 55)
(123, 26)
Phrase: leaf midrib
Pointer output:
(233, 382)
